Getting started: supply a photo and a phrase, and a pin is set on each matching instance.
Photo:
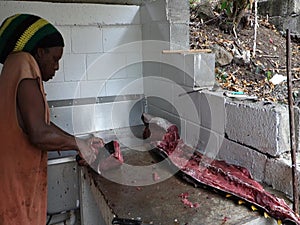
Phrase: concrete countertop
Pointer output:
(120, 192)
(160, 203)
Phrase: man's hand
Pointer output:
(88, 150)
(95, 143)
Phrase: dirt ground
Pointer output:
(270, 58)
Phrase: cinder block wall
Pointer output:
(93, 62)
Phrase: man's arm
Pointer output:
(46, 137)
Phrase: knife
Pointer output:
(124, 221)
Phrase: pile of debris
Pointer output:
(264, 75)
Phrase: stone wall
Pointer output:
(284, 14)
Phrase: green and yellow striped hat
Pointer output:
(25, 32)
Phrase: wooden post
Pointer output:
(292, 123)
(255, 29)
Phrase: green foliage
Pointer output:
(222, 75)
(269, 74)
(227, 6)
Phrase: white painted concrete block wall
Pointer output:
(166, 21)
(167, 79)
(96, 60)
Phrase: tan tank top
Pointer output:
(23, 167)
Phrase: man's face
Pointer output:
(48, 60)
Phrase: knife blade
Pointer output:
(125, 221)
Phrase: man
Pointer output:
(30, 50)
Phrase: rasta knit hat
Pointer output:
(25, 32)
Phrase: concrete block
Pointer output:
(204, 140)
(178, 11)
(92, 89)
(297, 127)
(278, 174)
(134, 65)
(59, 91)
(213, 114)
(153, 11)
(167, 21)
(119, 2)
(74, 67)
(172, 118)
(162, 104)
(156, 31)
(171, 97)
(132, 117)
(187, 105)
(179, 36)
(134, 70)
(263, 127)
(119, 74)
(87, 39)
(102, 68)
(173, 90)
(115, 37)
(202, 68)
(192, 134)
(93, 65)
(66, 33)
(151, 69)
(124, 86)
(152, 50)
(241, 155)
(159, 88)
(173, 68)
(72, 13)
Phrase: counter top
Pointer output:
(146, 187)
(160, 202)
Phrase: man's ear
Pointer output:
(40, 52)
